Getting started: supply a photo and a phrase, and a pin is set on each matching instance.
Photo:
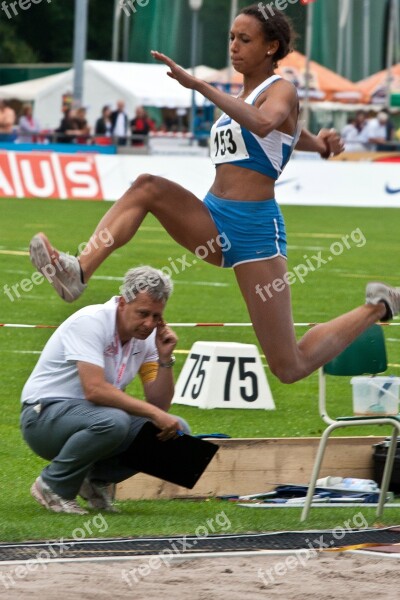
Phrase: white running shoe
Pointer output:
(60, 269)
(98, 496)
(52, 501)
(380, 292)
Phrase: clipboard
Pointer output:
(181, 461)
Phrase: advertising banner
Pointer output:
(102, 177)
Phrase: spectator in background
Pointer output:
(349, 129)
(352, 133)
(120, 124)
(375, 133)
(82, 125)
(103, 124)
(28, 126)
(141, 125)
(360, 120)
(7, 122)
(72, 126)
(390, 129)
(170, 120)
(67, 130)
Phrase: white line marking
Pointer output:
(14, 252)
(176, 281)
(329, 236)
(25, 351)
(290, 247)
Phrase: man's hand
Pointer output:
(333, 142)
(166, 341)
(168, 424)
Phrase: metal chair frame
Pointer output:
(366, 355)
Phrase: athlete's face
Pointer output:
(248, 47)
(137, 319)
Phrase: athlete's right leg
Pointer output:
(183, 215)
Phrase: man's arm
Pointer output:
(102, 393)
(160, 390)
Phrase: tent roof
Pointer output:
(104, 83)
(146, 84)
(149, 83)
(374, 87)
(29, 90)
(324, 85)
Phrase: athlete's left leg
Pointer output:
(271, 314)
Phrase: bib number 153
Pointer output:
(224, 142)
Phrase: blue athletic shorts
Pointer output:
(251, 230)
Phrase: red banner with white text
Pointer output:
(49, 175)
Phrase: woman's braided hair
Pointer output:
(276, 27)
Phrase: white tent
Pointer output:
(104, 83)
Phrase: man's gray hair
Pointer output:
(146, 279)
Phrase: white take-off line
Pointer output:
(39, 326)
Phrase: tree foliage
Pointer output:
(14, 49)
(44, 32)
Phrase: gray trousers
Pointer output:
(80, 439)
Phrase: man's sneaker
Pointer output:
(60, 269)
(52, 501)
(98, 495)
(379, 292)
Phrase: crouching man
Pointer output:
(75, 412)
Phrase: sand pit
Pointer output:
(327, 576)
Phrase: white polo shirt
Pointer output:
(89, 335)
(372, 130)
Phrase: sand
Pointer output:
(327, 576)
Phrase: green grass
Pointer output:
(326, 292)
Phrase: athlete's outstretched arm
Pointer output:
(260, 120)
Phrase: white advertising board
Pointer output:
(107, 177)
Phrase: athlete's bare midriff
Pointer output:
(236, 183)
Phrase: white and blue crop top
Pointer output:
(233, 144)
